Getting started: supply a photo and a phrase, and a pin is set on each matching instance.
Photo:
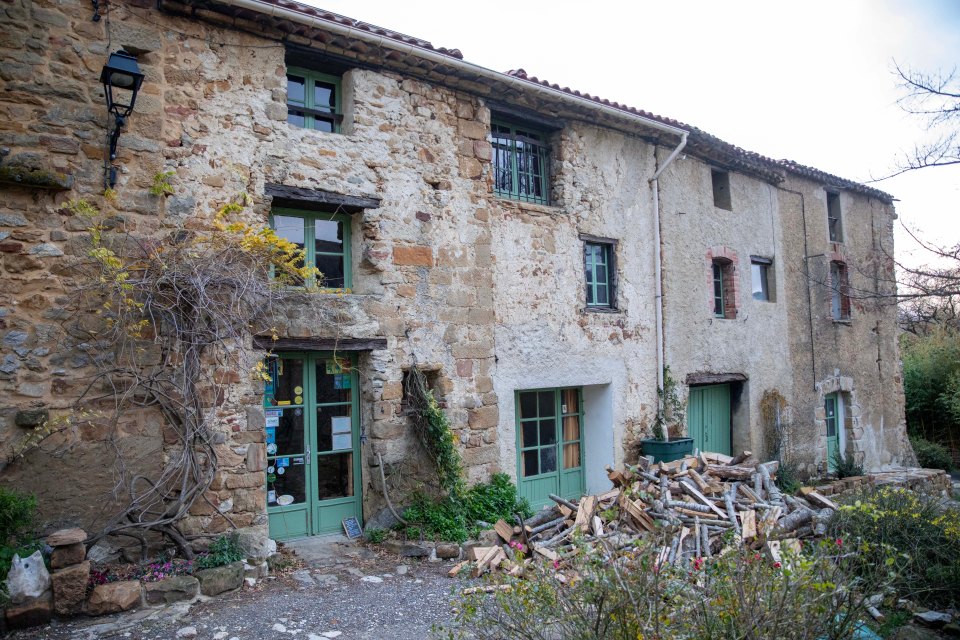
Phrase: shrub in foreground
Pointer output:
(223, 550)
(920, 533)
(455, 518)
(625, 594)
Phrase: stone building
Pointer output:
(542, 254)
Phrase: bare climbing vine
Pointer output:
(167, 320)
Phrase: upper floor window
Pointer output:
(521, 162)
(721, 189)
(760, 272)
(326, 240)
(834, 223)
(313, 100)
(724, 288)
(599, 269)
(839, 291)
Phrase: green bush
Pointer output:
(455, 518)
(788, 478)
(223, 550)
(846, 466)
(931, 455)
(375, 535)
(604, 592)
(917, 537)
(16, 514)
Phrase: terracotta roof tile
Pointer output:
(698, 135)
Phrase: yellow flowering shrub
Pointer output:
(921, 532)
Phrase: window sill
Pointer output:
(530, 207)
(844, 321)
(607, 310)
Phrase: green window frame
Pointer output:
(318, 254)
(521, 162)
(598, 260)
(314, 100)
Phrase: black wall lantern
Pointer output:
(121, 72)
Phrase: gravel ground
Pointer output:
(372, 598)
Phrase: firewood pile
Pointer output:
(695, 503)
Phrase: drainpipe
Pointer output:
(269, 9)
(657, 258)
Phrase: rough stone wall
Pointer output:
(213, 109)
(487, 293)
(544, 335)
(752, 340)
(859, 357)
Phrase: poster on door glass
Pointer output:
(342, 431)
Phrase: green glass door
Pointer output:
(831, 409)
(550, 444)
(708, 418)
(313, 441)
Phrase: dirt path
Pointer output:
(356, 596)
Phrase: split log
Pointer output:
(730, 473)
(588, 504)
(748, 524)
(739, 458)
(821, 501)
(504, 530)
(696, 495)
(490, 588)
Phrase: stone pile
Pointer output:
(64, 591)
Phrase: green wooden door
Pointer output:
(313, 441)
(550, 451)
(708, 417)
(832, 409)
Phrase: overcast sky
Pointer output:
(808, 80)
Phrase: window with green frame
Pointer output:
(313, 100)
(521, 162)
(326, 239)
(598, 266)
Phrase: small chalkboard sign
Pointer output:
(352, 528)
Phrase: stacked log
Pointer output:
(699, 504)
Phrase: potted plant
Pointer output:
(670, 415)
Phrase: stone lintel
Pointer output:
(318, 199)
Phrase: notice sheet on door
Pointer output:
(342, 430)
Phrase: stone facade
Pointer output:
(485, 292)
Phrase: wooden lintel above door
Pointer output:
(267, 343)
(714, 378)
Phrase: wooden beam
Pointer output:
(714, 378)
(318, 199)
(267, 343)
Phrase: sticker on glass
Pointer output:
(270, 469)
(281, 471)
(273, 421)
(298, 390)
(298, 412)
(271, 436)
(298, 461)
(272, 448)
(298, 400)
(285, 499)
(271, 496)
(283, 462)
